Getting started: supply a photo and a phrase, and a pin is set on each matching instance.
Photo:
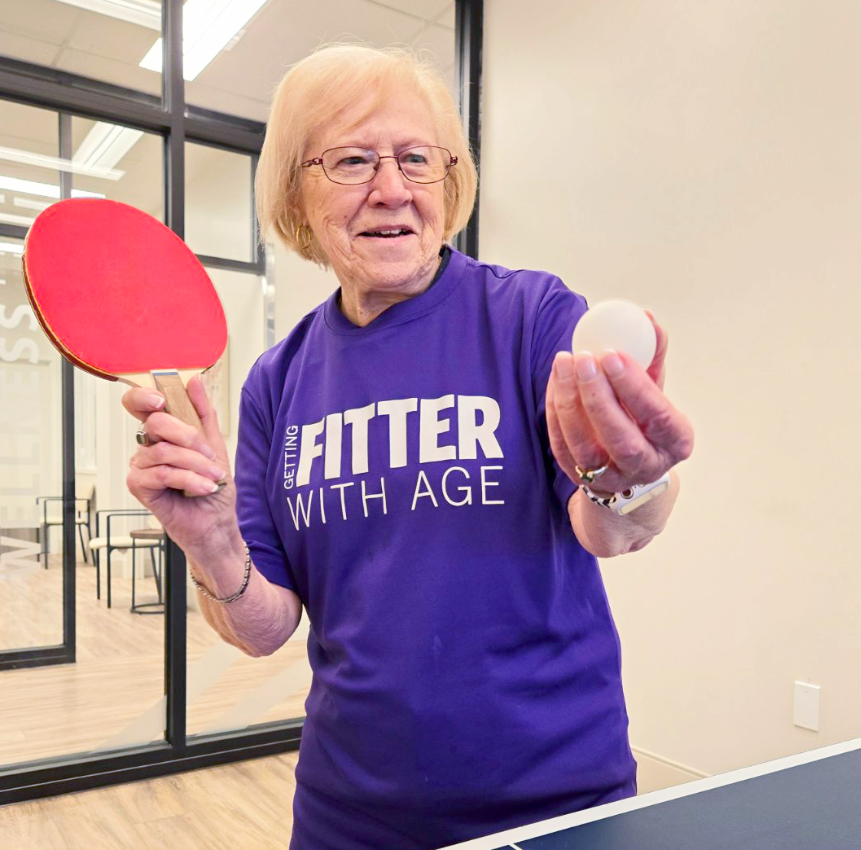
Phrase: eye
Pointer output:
(413, 158)
(352, 160)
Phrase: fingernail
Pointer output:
(216, 473)
(564, 369)
(612, 364)
(207, 452)
(586, 366)
(156, 401)
(215, 488)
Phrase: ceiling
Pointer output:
(238, 81)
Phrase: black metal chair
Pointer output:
(52, 518)
(111, 541)
(144, 537)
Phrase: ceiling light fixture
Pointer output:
(104, 146)
(23, 220)
(209, 27)
(11, 248)
(144, 13)
(38, 160)
(27, 204)
(45, 190)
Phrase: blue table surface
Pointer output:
(814, 806)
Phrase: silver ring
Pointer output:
(142, 438)
(589, 475)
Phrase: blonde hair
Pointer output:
(316, 90)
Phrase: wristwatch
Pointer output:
(629, 500)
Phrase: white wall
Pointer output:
(30, 439)
(702, 159)
(300, 286)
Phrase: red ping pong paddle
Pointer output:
(123, 297)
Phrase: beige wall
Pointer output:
(300, 286)
(703, 160)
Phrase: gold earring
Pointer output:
(304, 236)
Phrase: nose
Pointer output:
(389, 187)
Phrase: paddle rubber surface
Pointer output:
(119, 292)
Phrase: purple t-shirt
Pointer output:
(398, 478)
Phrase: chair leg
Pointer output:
(46, 530)
(156, 572)
(98, 561)
(109, 550)
(83, 547)
(134, 562)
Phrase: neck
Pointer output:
(362, 302)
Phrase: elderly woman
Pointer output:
(409, 470)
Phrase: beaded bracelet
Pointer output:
(225, 600)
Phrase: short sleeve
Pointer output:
(252, 506)
(559, 311)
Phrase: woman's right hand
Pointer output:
(179, 459)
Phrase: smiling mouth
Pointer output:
(388, 233)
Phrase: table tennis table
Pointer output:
(810, 801)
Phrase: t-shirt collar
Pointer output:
(445, 281)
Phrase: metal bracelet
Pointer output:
(225, 600)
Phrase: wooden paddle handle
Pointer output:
(177, 403)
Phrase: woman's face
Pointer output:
(344, 218)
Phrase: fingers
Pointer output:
(141, 402)
(168, 454)
(165, 465)
(572, 437)
(555, 430)
(636, 459)
(657, 370)
(205, 410)
(162, 427)
(610, 412)
(178, 456)
(156, 479)
(634, 420)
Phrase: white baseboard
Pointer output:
(655, 772)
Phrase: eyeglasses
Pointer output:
(352, 166)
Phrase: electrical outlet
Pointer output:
(806, 706)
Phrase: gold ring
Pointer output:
(589, 475)
(142, 438)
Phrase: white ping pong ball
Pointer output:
(618, 325)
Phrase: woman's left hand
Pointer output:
(608, 411)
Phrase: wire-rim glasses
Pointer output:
(352, 166)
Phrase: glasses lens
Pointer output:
(425, 164)
(349, 165)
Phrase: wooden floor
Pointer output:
(119, 675)
(244, 806)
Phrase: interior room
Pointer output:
(697, 159)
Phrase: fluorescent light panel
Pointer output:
(209, 26)
(24, 220)
(104, 146)
(11, 248)
(144, 13)
(38, 160)
(45, 190)
(27, 204)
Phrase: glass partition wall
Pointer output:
(109, 673)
